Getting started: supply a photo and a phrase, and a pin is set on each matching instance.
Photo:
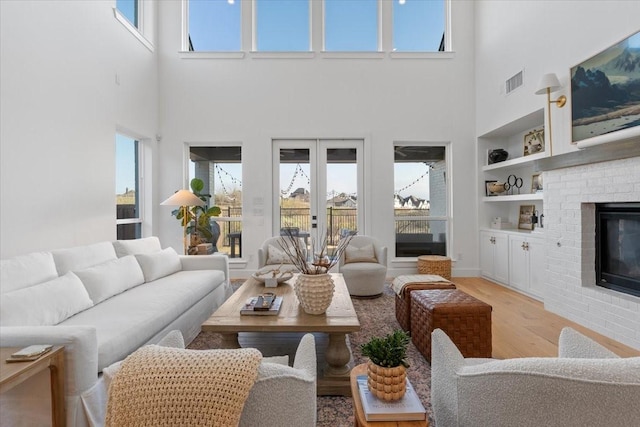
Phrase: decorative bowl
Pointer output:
(281, 275)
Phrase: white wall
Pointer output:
(570, 287)
(59, 110)
(253, 100)
(540, 37)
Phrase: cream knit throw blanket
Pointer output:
(161, 386)
(400, 282)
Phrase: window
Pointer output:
(214, 25)
(129, 8)
(420, 200)
(418, 25)
(128, 212)
(282, 25)
(220, 168)
(351, 25)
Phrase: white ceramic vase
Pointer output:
(314, 292)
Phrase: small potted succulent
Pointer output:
(387, 365)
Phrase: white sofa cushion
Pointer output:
(82, 257)
(363, 254)
(111, 278)
(137, 246)
(159, 264)
(26, 270)
(47, 303)
(143, 311)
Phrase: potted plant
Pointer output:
(386, 369)
(198, 218)
(314, 286)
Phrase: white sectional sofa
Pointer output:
(102, 302)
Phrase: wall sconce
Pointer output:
(549, 83)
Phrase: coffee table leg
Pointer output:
(338, 354)
(230, 341)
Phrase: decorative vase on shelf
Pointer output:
(314, 292)
(387, 383)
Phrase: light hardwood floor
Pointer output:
(521, 327)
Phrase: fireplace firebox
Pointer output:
(618, 247)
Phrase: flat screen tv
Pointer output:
(605, 95)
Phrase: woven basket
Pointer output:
(435, 264)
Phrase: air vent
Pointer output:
(513, 83)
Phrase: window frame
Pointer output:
(137, 29)
(140, 184)
(186, 178)
(448, 189)
(316, 36)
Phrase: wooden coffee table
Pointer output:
(339, 320)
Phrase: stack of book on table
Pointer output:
(262, 305)
(409, 408)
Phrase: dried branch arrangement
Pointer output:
(295, 249)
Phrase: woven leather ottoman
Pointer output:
(465, 319)
(414, 283)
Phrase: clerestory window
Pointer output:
(351, 25)
(419, 25)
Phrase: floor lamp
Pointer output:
(184, 199)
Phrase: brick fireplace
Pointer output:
(570, 197)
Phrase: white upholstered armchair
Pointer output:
(364, 266)
(271, 254)
(279, 395)
(586, 385)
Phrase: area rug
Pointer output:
(377, 318)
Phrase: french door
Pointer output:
(318, 188)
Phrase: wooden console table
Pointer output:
(13, 374)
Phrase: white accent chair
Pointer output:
(273, 258)
(364, 271)
(586, 385)
(269, 403)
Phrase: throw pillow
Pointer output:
(26, 270)
(45, 304)
(137, 246)
(111, 278)
(159, 264)
(363, 254)
(277, 255)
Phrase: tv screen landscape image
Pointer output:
(605, 91)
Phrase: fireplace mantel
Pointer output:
(600, 153)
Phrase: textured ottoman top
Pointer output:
(448, 300)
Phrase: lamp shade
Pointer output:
(183, 198)
(548, 81)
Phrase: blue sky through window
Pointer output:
(418, 25)
(351, 25)
(284, 25)
(214, 25)
(129, 8)
(125, 164)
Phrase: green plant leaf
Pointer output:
(196, 185)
